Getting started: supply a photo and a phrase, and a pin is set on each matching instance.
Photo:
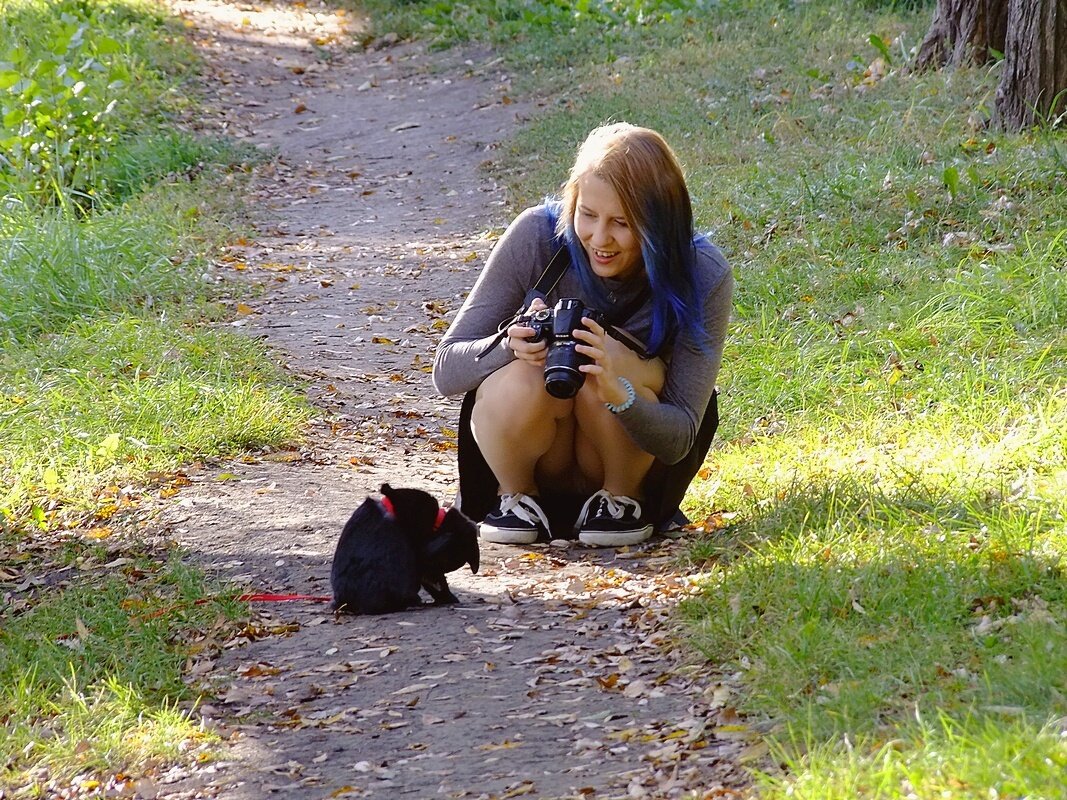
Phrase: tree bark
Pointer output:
(963, 31)
(1033, 86)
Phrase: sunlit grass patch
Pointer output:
(937, 757)
(117, 398)
(134, 258)
(105, 378)
(852, 606)
(882, 566)
(91, 672)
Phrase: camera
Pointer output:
(556, 326)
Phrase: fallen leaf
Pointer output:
(507, 744)
(415, 687)
(635, 689)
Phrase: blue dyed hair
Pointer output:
(644, 172)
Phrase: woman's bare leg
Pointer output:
(520, 428)
(602, 445)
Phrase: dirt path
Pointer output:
(556, 675)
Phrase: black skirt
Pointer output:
(665, 484)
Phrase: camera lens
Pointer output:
(562, 377)
(563, 383)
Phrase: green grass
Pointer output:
(891, 470)
(117, 398)
(105, 377)
(76, 80)
(72, 702)
(98, 302)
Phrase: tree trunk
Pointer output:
(1033, 86)
(963, 31)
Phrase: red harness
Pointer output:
(387, 504)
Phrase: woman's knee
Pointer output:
(515, 392)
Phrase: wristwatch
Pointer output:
(631, 395)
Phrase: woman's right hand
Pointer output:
(532, 353)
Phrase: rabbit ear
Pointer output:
(472, 556)
(461, 526)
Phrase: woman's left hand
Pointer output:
(602, 374)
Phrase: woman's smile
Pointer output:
(604, 230)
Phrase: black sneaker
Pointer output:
(517, 519)
(612, 520)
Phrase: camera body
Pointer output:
(556, 326)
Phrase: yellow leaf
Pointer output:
(507, 744)
(382, 340)
(50, 479)
(109, 446)
(242, 308)
(284, 456)
(608, 682)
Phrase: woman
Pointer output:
(626, 220)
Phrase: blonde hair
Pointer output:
(648, 179)
(642, 169)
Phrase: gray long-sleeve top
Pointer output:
(666, 429)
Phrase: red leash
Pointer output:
(261, 597)
(267, 597)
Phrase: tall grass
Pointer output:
(891, 469)
(97, 294)
(116, 398)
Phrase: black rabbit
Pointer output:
(390, 548)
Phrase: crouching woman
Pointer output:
(605, 462)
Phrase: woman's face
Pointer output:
(602, 228)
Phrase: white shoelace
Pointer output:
(525, 508)
(614, 504)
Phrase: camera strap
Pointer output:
(550, 278)
(624, 314)
(557, 265)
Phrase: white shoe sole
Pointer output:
(613, 539)
(504, 536)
